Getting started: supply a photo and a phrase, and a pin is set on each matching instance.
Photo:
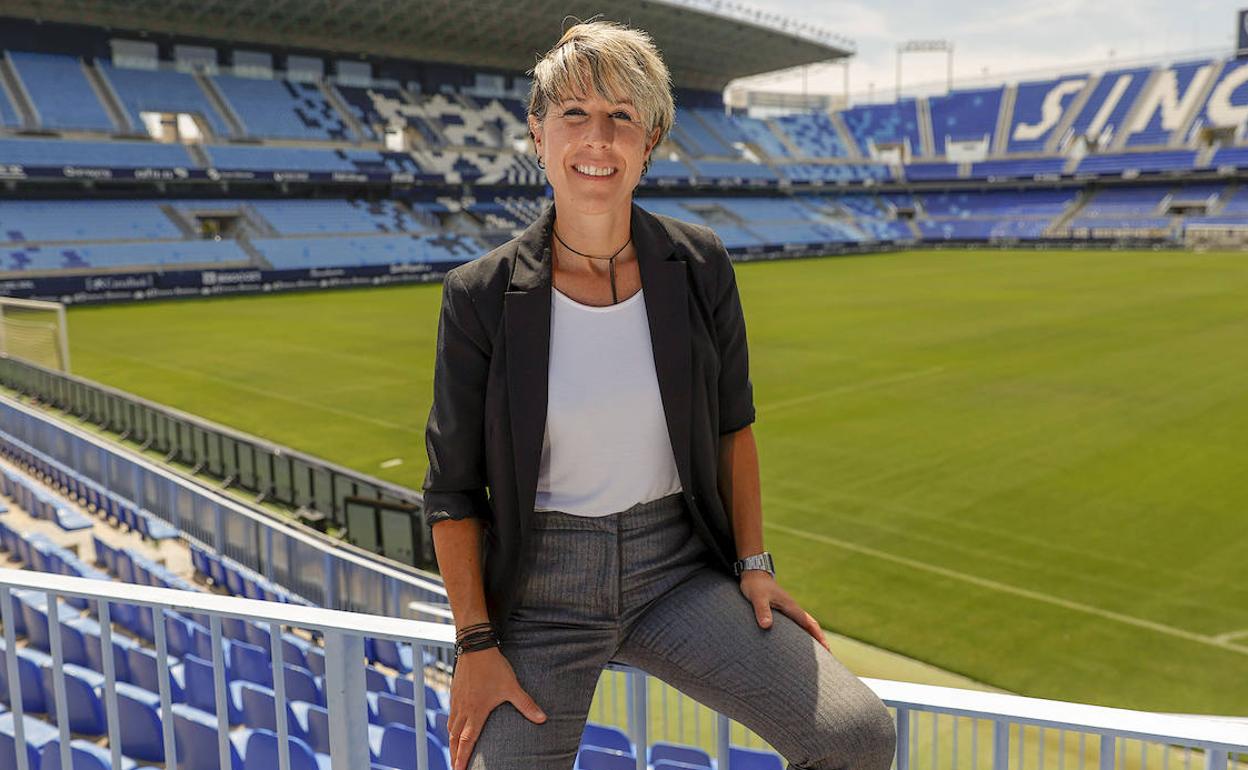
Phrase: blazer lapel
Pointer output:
(526, 314)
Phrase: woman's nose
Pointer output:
(600, 132)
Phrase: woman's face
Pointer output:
(594, 151)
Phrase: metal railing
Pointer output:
(272, 473)
(324, 571)
(1013, 726)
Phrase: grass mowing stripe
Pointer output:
(996, 585)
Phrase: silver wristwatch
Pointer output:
(761, 561)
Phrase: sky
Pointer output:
(998, 38)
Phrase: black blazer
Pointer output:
(488, 417)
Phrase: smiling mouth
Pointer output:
(594, 171)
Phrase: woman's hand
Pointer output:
(764, 593)
(483, 679)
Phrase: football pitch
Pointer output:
(1027, 467)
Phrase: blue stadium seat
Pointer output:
(753, 759)
(35, 617)
(37, 734)
(144, 672)
(260, 710)
(594, 758)
(262, 753)
(83, 755)
(605, 737)
(138, 718)
(398, 749)
(313, 722)
(674, 752)
(195, 736)
(29, 676)
(84, 693)
(251, 663)
(201, 691)
(121, 653)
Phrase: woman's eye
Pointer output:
(573, 111)
(623, 114)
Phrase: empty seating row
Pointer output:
(36, 500)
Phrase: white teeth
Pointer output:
(595, 170)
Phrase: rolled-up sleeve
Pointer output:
(455, 482)
(736, 391)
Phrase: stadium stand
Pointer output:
(117, 154)
(1038, 108)
(964, 116)
(282, 109)
(84, 220)
(471, 149)
(877, 124)
(161, 91)
(1101, 117)
(60, 92)
(814, 134)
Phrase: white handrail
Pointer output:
(353, 623)
(1192, 731)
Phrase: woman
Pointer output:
(592, 374)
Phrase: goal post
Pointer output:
(35, 331)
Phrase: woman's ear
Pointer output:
(535, 127)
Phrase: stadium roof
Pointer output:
(706, 43)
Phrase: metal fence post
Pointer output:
(638, 716)
(1001, 745)
(344, 696)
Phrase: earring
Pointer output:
(645, 168)
(540, 164)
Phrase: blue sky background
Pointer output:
(1001, 36)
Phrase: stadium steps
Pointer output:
(927, 140)
(181, 221)
(1230, 192)
(197, 153)
(1205, 155)
(435, 126)
(19, 97)
(330, 92)
(256, 224)
(1057, 139)
(1179, 137)
(108, 97)
(250, 250)
(785, 139)
(1059, 225)
(220, 104)
(1005, 118)
(1122, 131)
(846, 136)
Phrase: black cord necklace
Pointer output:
(611, 264)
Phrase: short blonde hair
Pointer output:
(619, 63)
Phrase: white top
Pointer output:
(606, 444)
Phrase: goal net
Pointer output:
(34, 331)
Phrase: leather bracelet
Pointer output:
(473, 629)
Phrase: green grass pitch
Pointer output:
(1028, 467)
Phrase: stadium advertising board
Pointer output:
(137, 286)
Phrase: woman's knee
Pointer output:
(863, 739)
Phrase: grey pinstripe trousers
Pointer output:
(636, 587)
